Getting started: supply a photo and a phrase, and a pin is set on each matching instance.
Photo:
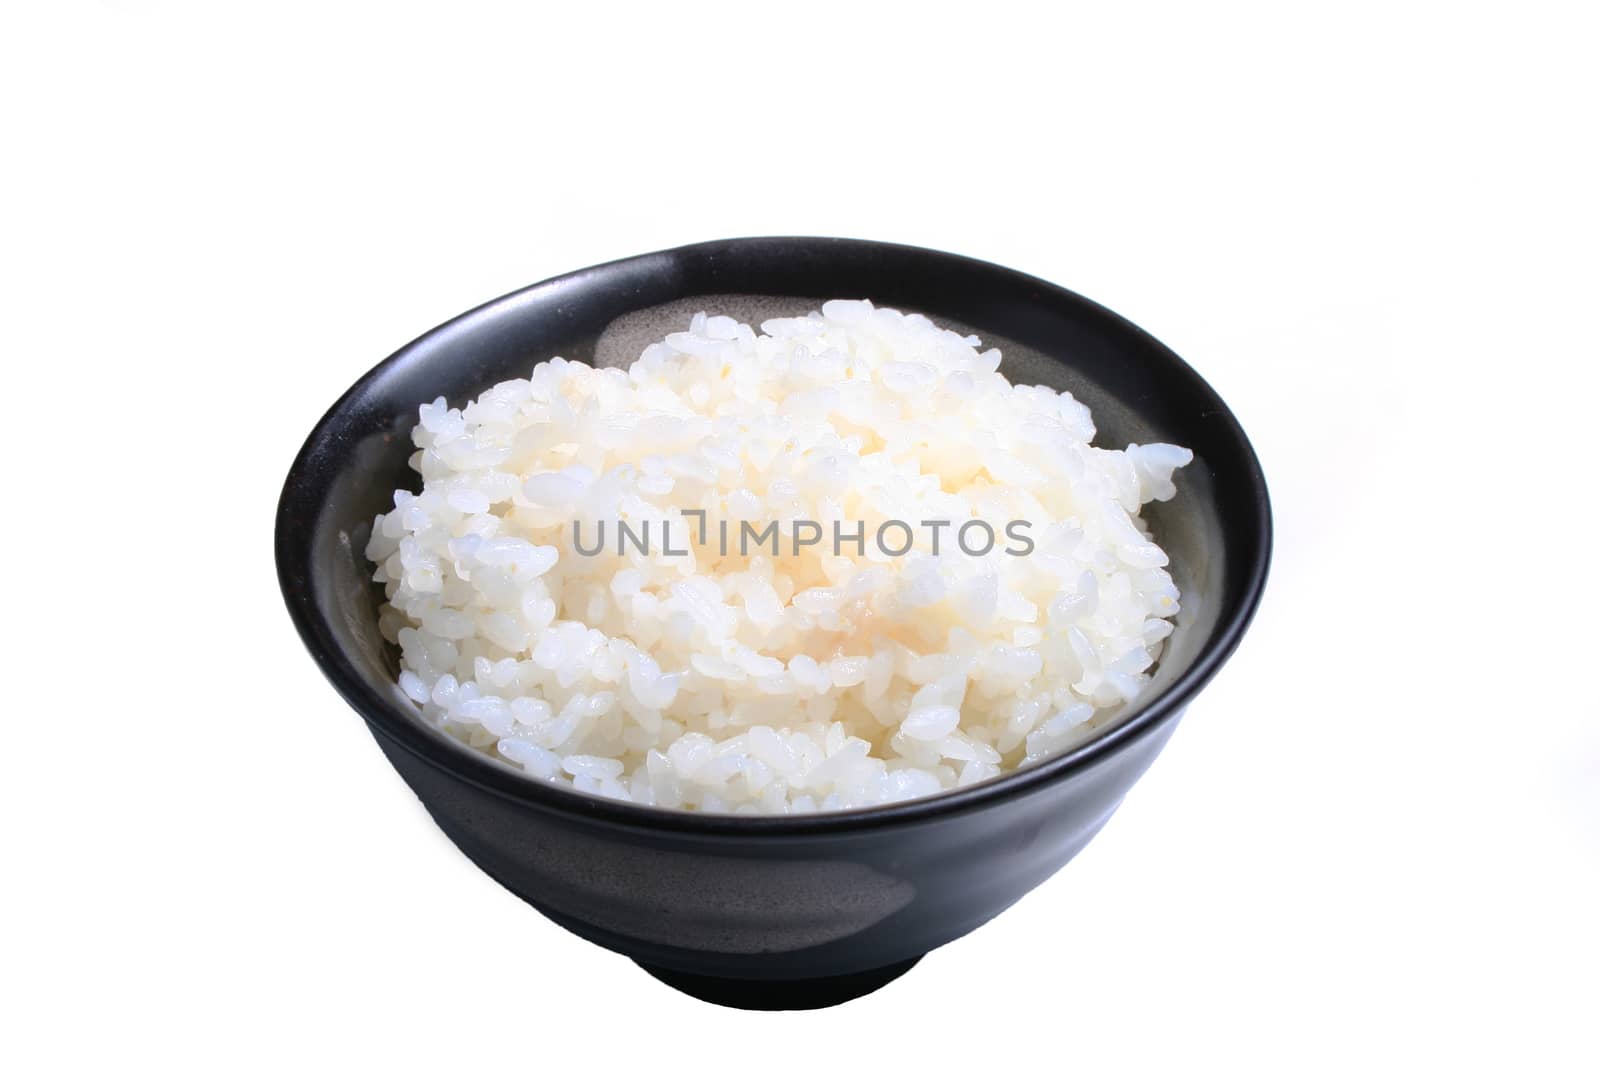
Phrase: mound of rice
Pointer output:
(747, 682)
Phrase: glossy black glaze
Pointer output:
(793, 911)
(781, 994)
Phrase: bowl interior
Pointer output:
(1215, 531)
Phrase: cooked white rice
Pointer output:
(758, 683)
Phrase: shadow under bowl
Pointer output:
(774, 911)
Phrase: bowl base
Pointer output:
(780, 994)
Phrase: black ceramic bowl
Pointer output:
(774, 911)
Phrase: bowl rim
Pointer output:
(301, 495)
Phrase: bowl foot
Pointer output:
(781, 994)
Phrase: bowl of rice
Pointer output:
(775, 610)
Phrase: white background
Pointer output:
(1376, 838)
